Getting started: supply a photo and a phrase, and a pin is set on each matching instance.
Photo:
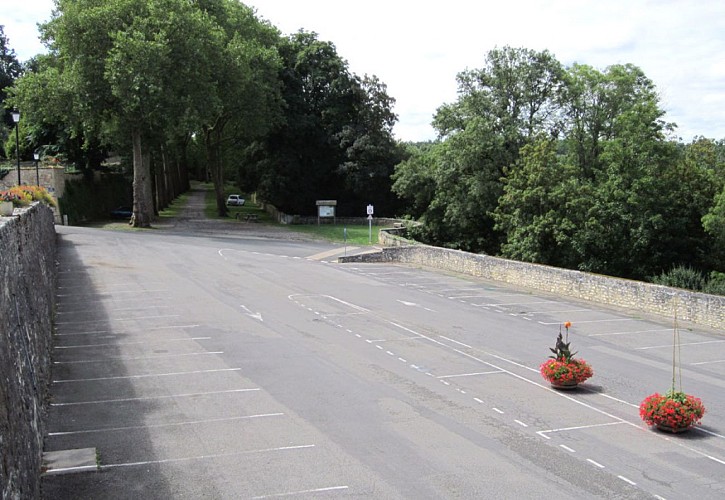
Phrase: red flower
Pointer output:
(674, 409)
(559, 370)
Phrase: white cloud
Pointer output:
(418, 48)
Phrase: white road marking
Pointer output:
(689, 343)
(497, 411)
(627, 480)
(65, 323)
(148, 375)
(522, 424)
(174, 424)
(619, 400)
(302, 492)
(518, 303)
(595, 463)
(413, 304)
(402, 360)
(113, 344)
(529, 313)
(627, 333)
(591, 321)
(205, 457)
(146, 398)
(106, 310)
(567, 448)
(469, 374)
(106, 360)
(708, 362)
(478, 400)
(257, 315)
(456, 342)
(542, 433)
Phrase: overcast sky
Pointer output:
(417, 48)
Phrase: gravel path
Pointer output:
(191, 219)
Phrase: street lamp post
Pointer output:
(36, 157)
(16, 119)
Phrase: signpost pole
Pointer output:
(370, 211)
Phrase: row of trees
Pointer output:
(568, 166)
(572, 167)
(159, 78)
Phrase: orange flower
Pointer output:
(567, 325)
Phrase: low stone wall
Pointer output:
(700, 308)
(27, 298)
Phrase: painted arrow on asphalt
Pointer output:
(251, 314)
(413, 304)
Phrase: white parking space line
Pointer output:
(627, 480)
(455, 342)
(124, 332)
(205, 457)
(114, 292)
(487, 295)
(689, 343)
(708, 362)
(592, 321)
(106, 310)
(567, 448)
(470, 374)
(66, 323)
(302, 492)
(595, 463)
(146, 398)
(628, 333)
(174, 424)
(491, 304)
(531, 313)
(117, 358)
(543, 433)
(114, 344)
(148, 375)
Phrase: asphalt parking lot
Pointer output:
(207, 366)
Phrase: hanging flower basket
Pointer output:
(672, 412)
(675, 411)
(562, 370)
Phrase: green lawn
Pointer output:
(356, 234)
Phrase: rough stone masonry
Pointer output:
(27, 297)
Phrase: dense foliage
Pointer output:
(567, 166)
(160, 80)
(571, 167)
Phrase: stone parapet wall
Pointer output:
(27, 298)
(699, 308)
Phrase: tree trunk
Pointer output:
(142, 195)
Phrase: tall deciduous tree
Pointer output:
(335, 140)
(10, 70)
(500, 108)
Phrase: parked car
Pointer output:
(121, 213)
(235, 200)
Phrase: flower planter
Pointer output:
(673, 412)
(568, 385)
(6, 208)
(672, 430)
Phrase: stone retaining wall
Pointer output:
(700, 308)
(27, 298)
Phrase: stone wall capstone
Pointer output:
(699, 308)
(27, 298)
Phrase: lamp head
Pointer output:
(16, 115)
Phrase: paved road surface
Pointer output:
(218, 360)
